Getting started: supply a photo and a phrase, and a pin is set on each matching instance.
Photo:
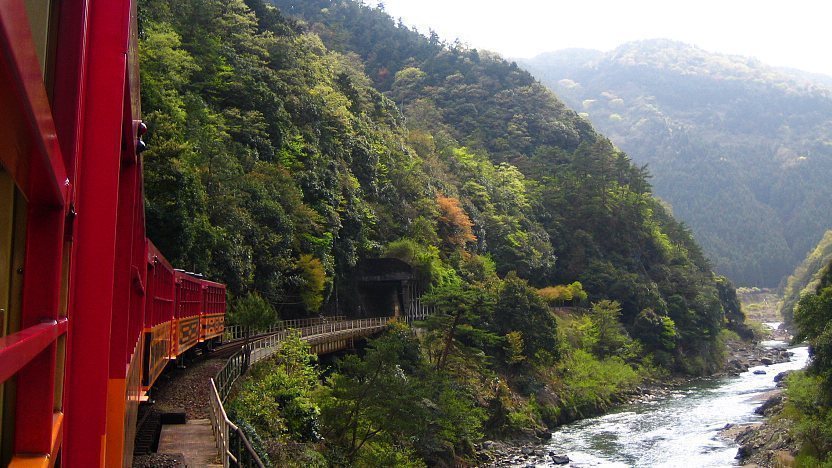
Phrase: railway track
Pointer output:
(226, 350)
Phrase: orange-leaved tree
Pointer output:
(453, 223)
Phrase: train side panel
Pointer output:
(188, 305)
(212, 316)
(159, 314)
(130, 274)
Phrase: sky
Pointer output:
(789, 33)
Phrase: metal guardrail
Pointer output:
(237, 332)
(221, 384)
(244, 455)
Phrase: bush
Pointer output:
(590, 384)
(381, 453)
(813, 421)
(277, 398)
(759, 331)
(253, 438)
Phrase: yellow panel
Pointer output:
(30, 461)
(116, 410)
(60, 368)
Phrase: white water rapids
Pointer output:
(680, 430)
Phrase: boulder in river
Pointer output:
(559, 459)
(782, 375)
(759, 372)
(743, 452)
(544, 435)
(767, 361)
(766, 407)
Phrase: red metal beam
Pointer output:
(95, 244)
(18, 349)
(122, 341)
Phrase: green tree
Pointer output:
(514, 348)
(252, 312)
(610, 336)
(456, 326)
(813, 317)
(520, 308)
(277, 399)
(392, 400)
(314, 278)
(654, 330)
(560, 294)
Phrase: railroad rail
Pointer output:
(324, 336)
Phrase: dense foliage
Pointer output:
(548, 197)
(389, 407)
(810, 392)
(740, 150)
(806, 277)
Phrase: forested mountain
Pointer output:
(296, 166)
(740, 150)
(806, 277)
(536, 181)
(287, 143)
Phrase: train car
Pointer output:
(185, 325)
(72, 229)
(89, 310)
(159, 315)
(212, 315)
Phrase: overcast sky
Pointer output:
(792, 33)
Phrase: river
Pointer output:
(681, 430)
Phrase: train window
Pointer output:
(12, 243)
(43, 18)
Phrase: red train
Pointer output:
(90, 311)
(181, 311)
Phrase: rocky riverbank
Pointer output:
(770, 443)
(514, 453)
(529, 449)
(742, 356)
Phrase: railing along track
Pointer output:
(330, 330)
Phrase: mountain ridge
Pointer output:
(717, 131)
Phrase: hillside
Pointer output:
(579, 188)
(808, 407)
(806, 277)
(289, 145)
(740, 150)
